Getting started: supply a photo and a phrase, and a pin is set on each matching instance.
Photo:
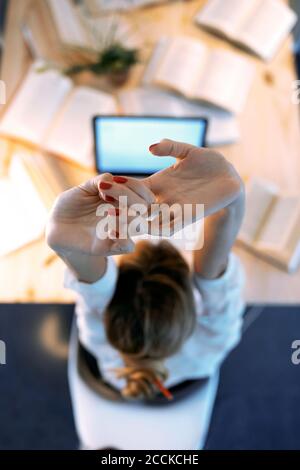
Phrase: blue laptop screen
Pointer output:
(122, 143)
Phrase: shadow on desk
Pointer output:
(257, 405)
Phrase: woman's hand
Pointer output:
(205, 177)
(200, 176)
(73, 220)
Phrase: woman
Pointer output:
(149, 323)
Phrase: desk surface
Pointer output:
(269, 147)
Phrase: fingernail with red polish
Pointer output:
(110, 199)
(120, 179)
(104, 185)
(152, 147)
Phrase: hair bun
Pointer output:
(142, 380)
(137, 388)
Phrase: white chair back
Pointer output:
(102, 423)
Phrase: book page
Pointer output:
(225, 16)
(280, 224)
(181, 65)
(68, 24)
(35, 105)
(71, 135)
(23, 215)
(260, 197)
(222, 127)
(45, 177)
(226, 80)
(156, 58)
(266, 28)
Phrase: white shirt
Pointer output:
(219, 308)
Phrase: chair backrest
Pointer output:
(103, 422)
(90, 371)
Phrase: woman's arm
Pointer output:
(220, 232)
(219, 277)
(86, 268)
(219, 323)
(92, 299)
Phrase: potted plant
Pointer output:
(111, 54)
(115, 61)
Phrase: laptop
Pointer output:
(122, 142)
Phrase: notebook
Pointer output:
(271, 226)
(258, 25)
(52, 114)
(222, 129)
(215, 76)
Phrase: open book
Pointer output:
(222, 126)
(215, 76)
(258, 25)
(52, 114)
(271, 227)
(23, 211)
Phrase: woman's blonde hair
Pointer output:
(150, 316)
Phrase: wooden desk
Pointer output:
(269, 147)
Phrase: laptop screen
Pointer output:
(122, 142)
